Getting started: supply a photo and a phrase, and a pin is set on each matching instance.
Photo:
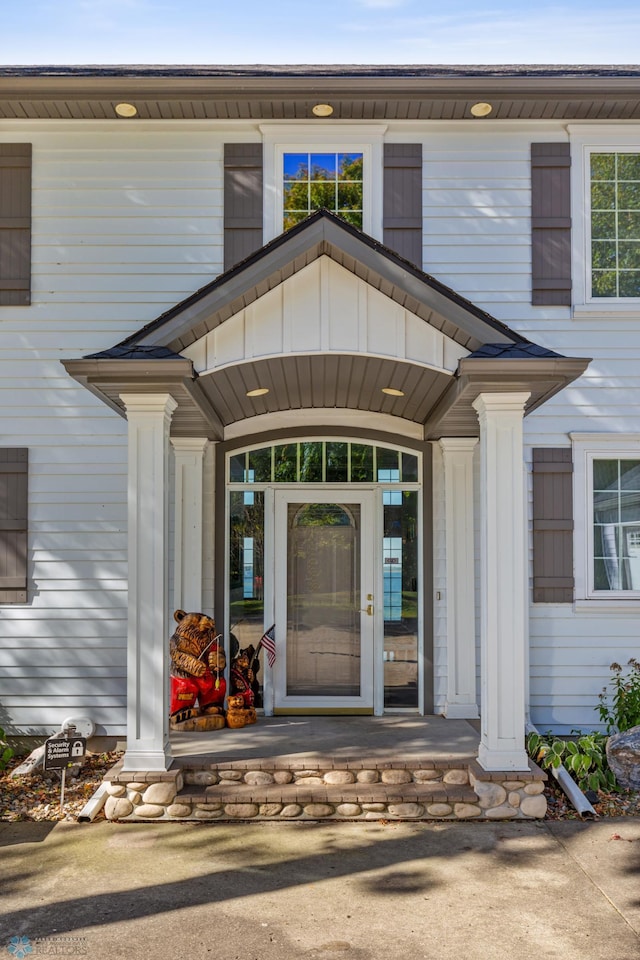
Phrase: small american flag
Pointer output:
(269, 643)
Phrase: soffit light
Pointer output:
(393, 392)
(322, 110)
(258, 392)
(126, 110)
(481, 109)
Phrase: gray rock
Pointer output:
(116, 789)
(489, 794)
(534, 806)
(282, 776)
(623, 754)
(159, 793)
(258, 778)
(240, 811)
(338, 776)
(368, 776)
(317, 810)
(116, 808)
(407, 810)
(396, 776)
(149, 810)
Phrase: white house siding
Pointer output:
(477, 240)
(126, 222)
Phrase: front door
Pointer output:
(324, 601)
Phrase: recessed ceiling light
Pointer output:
(258, 392)
(126, 110)
(393, 392)
(481, 109)
(322, 110)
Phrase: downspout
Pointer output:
(567, 783)
(94, 804)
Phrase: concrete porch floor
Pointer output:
(406, 737)
(319, 767)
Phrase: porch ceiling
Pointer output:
(257, 93)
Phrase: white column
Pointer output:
(503, 581)
(149, 418)
(457, 454)
(188, 542)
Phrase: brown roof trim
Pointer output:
(323, 233)
(108, 378)
(454, 416)
(288, 92)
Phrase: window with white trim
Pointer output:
(615, 224)
(319, 180)
(605, 218)
(607, 497)
(312, 166)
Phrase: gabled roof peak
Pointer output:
(324, 234)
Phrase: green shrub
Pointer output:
(623, 710)
(5, 750)
(585, 758)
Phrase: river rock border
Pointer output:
(386, 792)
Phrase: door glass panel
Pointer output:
(323, 603)
(400, 598)
(246, 568)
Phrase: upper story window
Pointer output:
(605, 219)
(312, 181)
(308, 166)
(615, 225)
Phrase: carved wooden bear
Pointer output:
(197, 668)
(241, 710)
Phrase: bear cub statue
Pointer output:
(197, 674)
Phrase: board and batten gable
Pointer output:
(126, 222)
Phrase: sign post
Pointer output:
(59, 752)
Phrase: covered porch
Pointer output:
(319, 324)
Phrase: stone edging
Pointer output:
(398, 792)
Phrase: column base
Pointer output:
(461, 711)
(145, 759)
(502, 759)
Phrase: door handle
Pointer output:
(368, 610)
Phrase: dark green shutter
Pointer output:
(242, 201)
(14, 468)
(402, 201)
(550, 224)
(553, 525)
(15, 224)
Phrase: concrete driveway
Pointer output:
(326, 891)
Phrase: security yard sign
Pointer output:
(59, 752)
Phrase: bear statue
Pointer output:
(241, 704)
(197, 674)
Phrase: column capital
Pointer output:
(149, 403)
(458, 444)
(486, 403)
(189, 444)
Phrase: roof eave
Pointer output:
(542, 378)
